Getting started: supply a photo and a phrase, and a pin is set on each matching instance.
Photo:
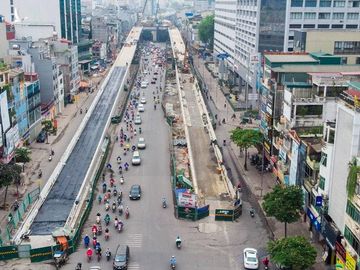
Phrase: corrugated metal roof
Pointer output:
(290, 58)
(317, 68)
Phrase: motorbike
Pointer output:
(122, 180)
(98, 220)
(98, 256)
(120, 227)
(108, 255)
(50, 158)
(127, 214)
(252, 212)
(119, 199)
(115, 193)
(107, 206)
(104, 188)
(99, 231)
(107, 236)
(113, 207)
(172, 265)
(40, 174)
(164, 205)
(78, 266)
(178, 244)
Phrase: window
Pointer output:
(353, 212)
(310, 3)
(354, 4)
(353, 16)
(291, 37)
(351, 26)
(323, 26)
(357, 62)
(323, 160)
(347, 47)
(310, 15)
(324, 16)
(354, 242)
(308, 26)
(339, 4)
(337, 26)
(338, 16)
(12, 10)
(11, 2)
(296, 15)
(296, 3)
(325, 3)
(295, 26)
(322, 183)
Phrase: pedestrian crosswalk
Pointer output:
(134, 240)
(133, 266)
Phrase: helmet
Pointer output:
(172, 256)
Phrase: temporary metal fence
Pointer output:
(15, 217)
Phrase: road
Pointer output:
(150, 232)
(69, 181)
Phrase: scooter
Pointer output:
(164, 205)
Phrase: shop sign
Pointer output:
(186, 199)
(314, 219)
(340, 264)
(318, 201)
(350, 263)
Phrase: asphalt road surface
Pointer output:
(151, 230)
(56, 208)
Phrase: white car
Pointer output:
(144, 84)
(141, 108)
(141, 143)
(143, 100)
(136, 160)
(137, 120)
(250, 258)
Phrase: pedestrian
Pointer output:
(224, 105)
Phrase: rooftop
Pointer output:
(290, 58)
(354, 85)
(316, 68)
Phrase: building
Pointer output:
(345, 43)
(100, 31)
(99, 51)
(52, 96)
(64, 15)
(246, 27)
(66, 56)
(4, 44)
(10, 138)
(305, 123)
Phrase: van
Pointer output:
(121, 258)
(144, 84)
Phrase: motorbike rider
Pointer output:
(113, 206)
(104, 187)
(94, 229)
(99, 198)
(118, 159)
(107, 219)
(107, 233)
(265, 261)
(164, 201)
(89, 253)
(140, 130)
(121, 209)
(126, 165)
(108, 253)
(107, 206)
(172, 260)
(86, 240)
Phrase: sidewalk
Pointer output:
(255, 185)
(68, 122)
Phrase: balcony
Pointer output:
(313, 164)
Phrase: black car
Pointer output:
(135, 192)
(41, 137)
(121, 257)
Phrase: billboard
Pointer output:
(4, 109)
(12, 139)
(186, 199)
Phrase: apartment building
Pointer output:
(269, 25)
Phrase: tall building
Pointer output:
(65, 15)
(269, 25)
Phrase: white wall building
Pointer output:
(269, 25)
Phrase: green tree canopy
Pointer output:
(284, 203)
(22, 154)
(9, 173)
(245, 138)
(206, 30)
(48, 127)
(295, 252)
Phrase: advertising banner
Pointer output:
(186, 199)
(5, 119)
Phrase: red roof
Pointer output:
(353, 93)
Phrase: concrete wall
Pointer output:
(4, 44)
(325, 41)
(35, 31)
(339, 165)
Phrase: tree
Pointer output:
(245, 138)
(284, 203)
(206, 30)
(354, 170)
(9, 173)
(294, 252)
(48, 127)
(22, 154)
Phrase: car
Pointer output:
(41, 137)
(144, 84)
(121, 257)
(137, 120)
(135, 192)
(141, 108)
(141, 143)
(250, 258)
(143, 100)
(136, 160)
